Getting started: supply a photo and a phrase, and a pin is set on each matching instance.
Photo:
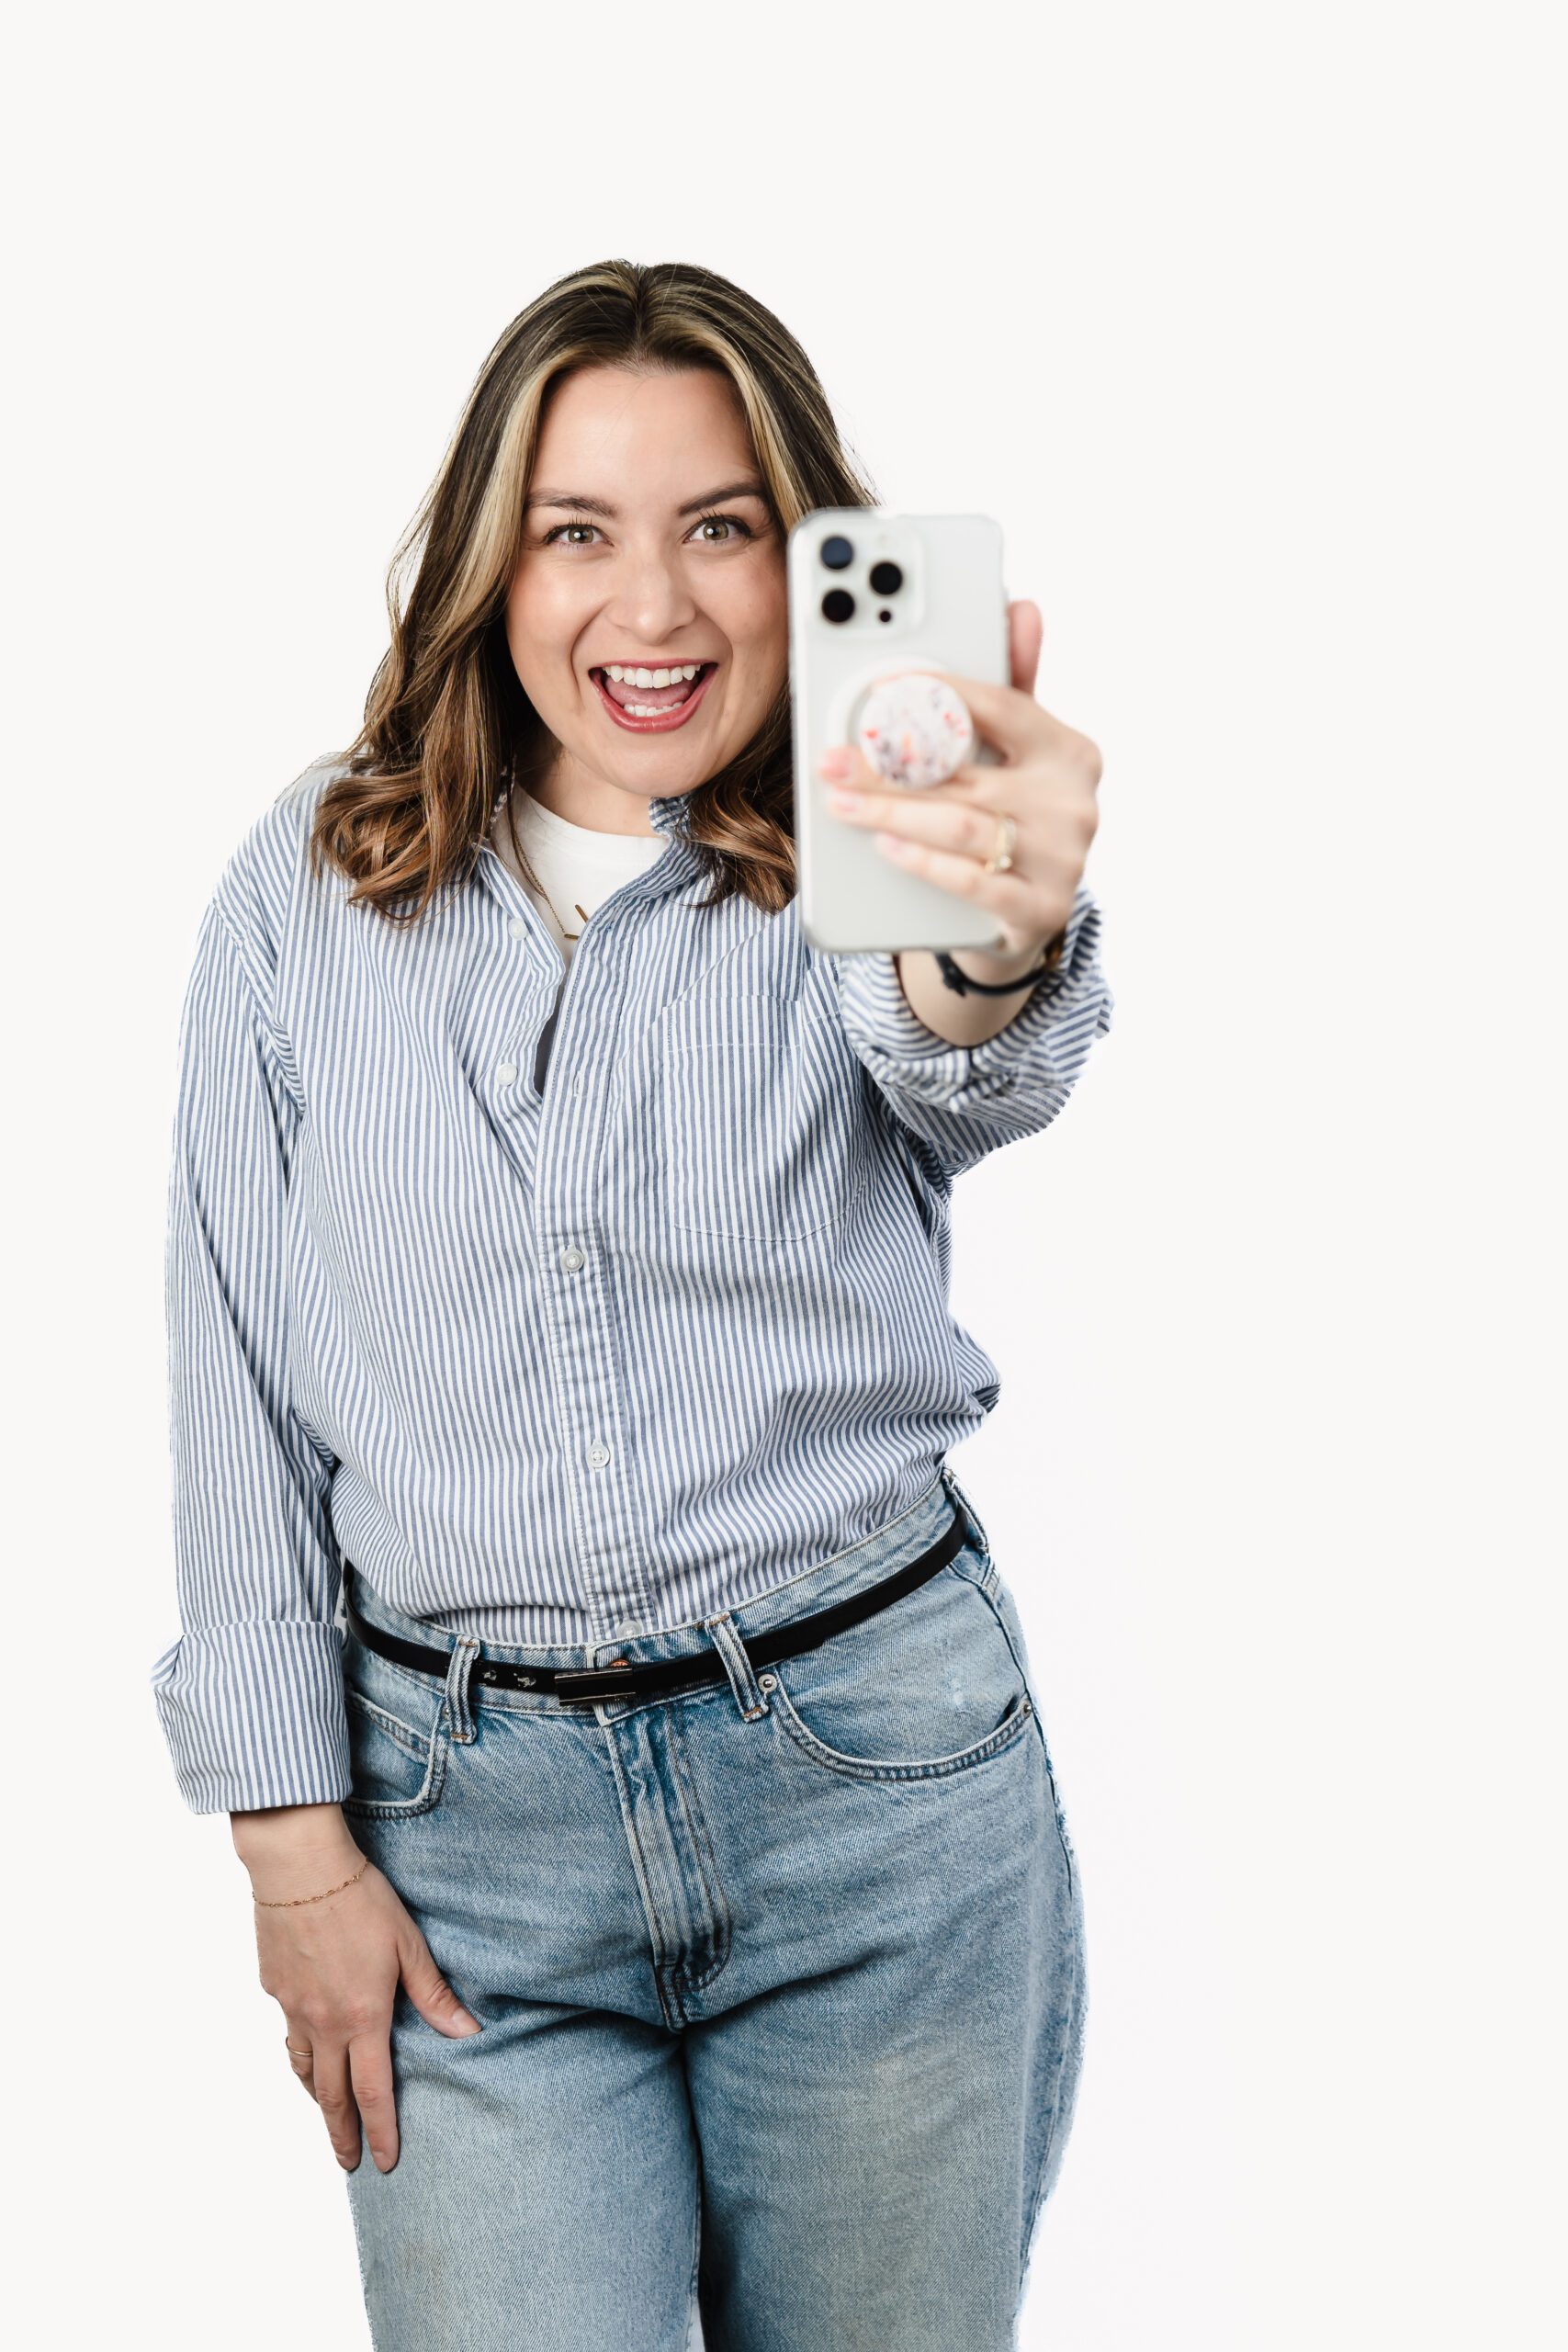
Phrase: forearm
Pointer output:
(963, 1020)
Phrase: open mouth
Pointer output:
(650, 709)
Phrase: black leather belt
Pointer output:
(619, 1679)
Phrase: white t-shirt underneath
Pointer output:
(577, 866)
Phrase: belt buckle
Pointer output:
(575, 1684)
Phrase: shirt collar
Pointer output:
(672, 814)
(680, 867)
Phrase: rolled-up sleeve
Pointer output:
(250, 1696)
(965, 1101)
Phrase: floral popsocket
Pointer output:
(915, 730)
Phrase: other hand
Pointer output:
(333, 1966)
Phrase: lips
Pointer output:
(676, 713)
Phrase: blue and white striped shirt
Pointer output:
(556, 1363)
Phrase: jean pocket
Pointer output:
(397, 1766)
(926, 1687)
(762, 1119)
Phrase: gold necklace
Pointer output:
(576, 909)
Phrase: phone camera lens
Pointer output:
(837, 554)
(838, 605)
(885, 579)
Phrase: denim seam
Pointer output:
(1064, 2044)
(1062, 1839)
(669, 2000)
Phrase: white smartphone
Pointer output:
(871, 593)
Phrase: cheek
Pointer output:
(543, 615)
(757, 626)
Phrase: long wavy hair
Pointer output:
(449, 730)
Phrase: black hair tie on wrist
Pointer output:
(966, 987)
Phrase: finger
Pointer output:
(1006, 716)
(951, 843)
(1017, 903)
(943, 819)
(334, 2099)
(301, 2060)
(1026, 632)
(370, 2072)
(429, 1991)
(847, 763)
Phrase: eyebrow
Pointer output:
(751, 489)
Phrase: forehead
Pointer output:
(630, 436)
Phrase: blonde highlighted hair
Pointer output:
(448, 727)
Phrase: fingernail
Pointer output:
(834, 761)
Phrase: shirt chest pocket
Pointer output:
(761, 1119)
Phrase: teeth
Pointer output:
(624, 677)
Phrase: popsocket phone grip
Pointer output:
(915, 730)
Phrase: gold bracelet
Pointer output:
(287, 1902)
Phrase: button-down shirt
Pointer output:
(567, 1302)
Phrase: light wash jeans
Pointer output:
(782, 1981)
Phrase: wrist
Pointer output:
(994, 970)
(290, 1836)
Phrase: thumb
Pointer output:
(429, 1991)
(1026, 633)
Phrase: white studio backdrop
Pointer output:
(1245, 323)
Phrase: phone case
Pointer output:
(949, 612)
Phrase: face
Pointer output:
(644, 549)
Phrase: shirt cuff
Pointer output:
(255, 1714)
(1041, 1045)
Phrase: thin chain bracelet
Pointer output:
(287, 1902)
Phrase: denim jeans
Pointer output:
(781, 1981)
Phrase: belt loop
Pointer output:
(465, 1656)
(750, 1696)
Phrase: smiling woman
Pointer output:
(581, 1614)
(614, 505)
(655, 611)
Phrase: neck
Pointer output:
(583, 798)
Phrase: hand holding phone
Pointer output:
(1005, 838)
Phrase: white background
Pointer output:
(1243, 321)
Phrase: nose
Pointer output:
(652, 602)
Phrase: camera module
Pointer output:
(837, 554)
(887, 579)
(838, 605)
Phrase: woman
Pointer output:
(557, 1274)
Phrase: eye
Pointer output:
(734, 526)
(732, 523)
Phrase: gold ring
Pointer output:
(1001, 859)
(297, 2053)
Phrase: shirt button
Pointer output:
(598, 1454)
(516, 926)
(506, 1072)
(572, 1259)
(628, 1630)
